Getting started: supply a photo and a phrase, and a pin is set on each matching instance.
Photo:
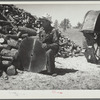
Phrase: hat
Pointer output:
(47, 17)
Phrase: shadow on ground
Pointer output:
(60, 71)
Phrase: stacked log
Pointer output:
(68, 48)
(15, 25)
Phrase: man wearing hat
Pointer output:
(50, 39)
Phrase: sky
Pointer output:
(74, 12)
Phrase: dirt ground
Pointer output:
(73, 74)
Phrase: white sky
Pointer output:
(74, 12)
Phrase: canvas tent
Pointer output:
(91, 22)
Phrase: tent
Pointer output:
(91, 22)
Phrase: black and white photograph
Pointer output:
(50, 46)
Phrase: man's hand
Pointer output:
(44, 45)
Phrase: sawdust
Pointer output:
(73, 74)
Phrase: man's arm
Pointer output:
(55, 40)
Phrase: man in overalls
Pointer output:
(50, 42)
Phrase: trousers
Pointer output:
(50, 60)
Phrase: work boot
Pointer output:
(54, 74)
(19, 71)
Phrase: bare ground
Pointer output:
(73, 74)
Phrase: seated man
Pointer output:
(50, 39)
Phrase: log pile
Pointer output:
(15, 23)
(68, 48)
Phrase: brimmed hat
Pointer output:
(47, 17)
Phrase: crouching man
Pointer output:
(49, 37)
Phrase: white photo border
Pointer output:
(49, 94)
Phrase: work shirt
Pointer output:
(51, 38)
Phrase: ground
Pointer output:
(73, 74)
